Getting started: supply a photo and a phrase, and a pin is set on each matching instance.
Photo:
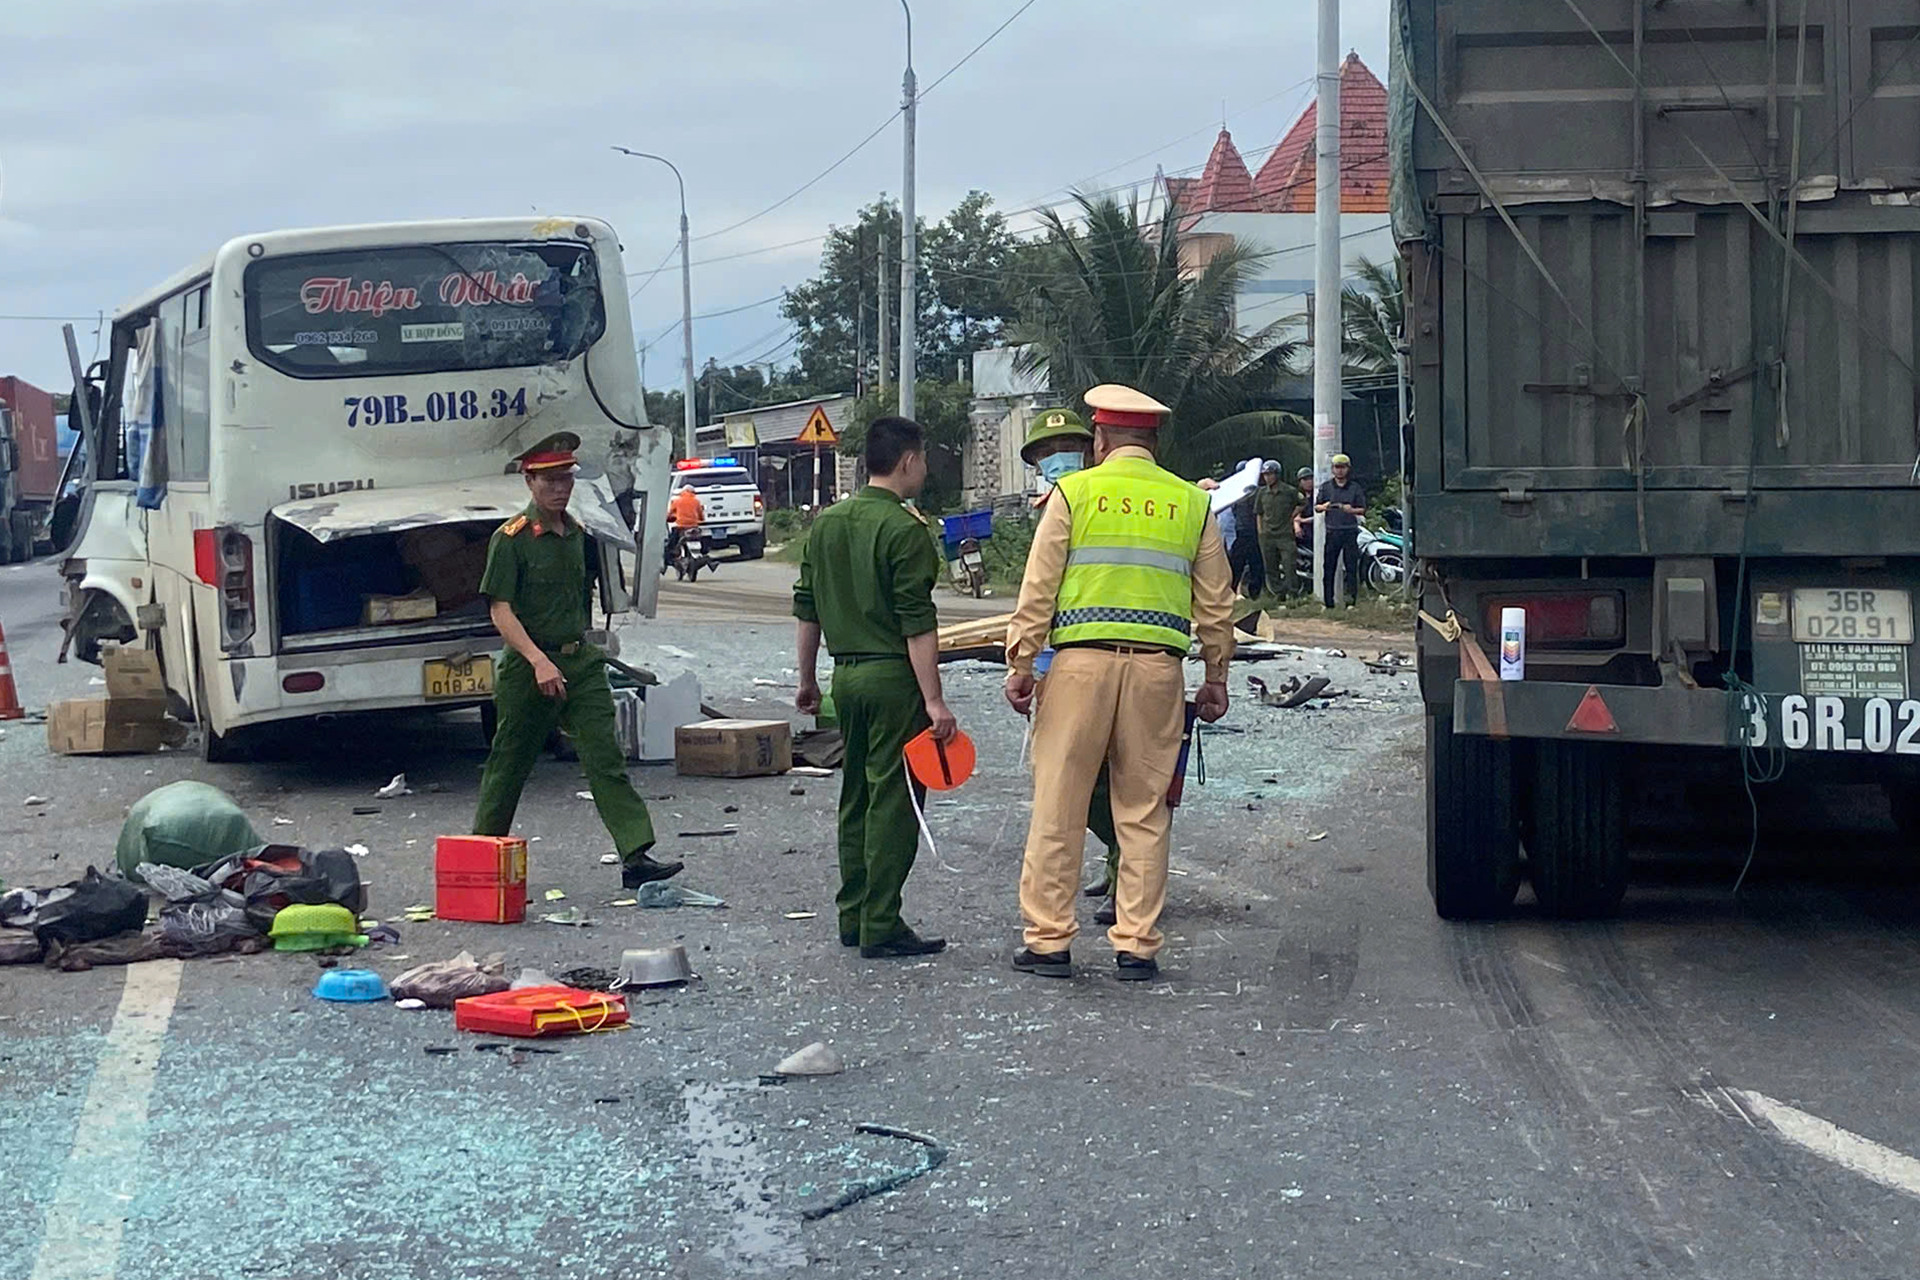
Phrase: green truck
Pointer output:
(1661, 263)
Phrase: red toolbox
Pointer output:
(540, 1011)
(480, 878)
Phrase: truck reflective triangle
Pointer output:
(1592, 716)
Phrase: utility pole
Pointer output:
(909, 242)
(1326, 289)
(686, 291)
(880, 297)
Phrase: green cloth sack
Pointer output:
(183, 824)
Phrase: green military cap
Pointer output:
(1052, 424)
(551, 454)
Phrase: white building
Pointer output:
(1273, 210)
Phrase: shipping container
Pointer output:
(1661, 263)
(30, 463)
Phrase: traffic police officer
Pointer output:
(866, 587)
(536, 578)
(1126, 565)
(1058, 444)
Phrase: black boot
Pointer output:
(640, 869)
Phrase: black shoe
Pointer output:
(643, 870)
(1134, 968)
(1107, 915)
(849, 939)
(1098, 889)
(903, 944)
(1047, 964)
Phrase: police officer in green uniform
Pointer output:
(1273, 506)
(866, 588)
(541, 594)
(1058, 444)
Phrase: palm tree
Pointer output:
(1110, 303)
(1373, 317)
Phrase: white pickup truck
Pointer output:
(736, 513)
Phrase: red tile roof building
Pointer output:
(1285, 183)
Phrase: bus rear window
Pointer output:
(423, 308)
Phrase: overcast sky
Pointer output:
(138, 135)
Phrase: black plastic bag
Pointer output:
(278, 875)
(88, 909)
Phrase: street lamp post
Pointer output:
(909, 242)
(686, 294)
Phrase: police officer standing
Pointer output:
(866, 588)
(536, 578)
(1126, 565)
(1058, 444)
(1274, 505)
(1341, 501)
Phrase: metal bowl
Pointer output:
(654, 967)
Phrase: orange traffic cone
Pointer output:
(10, 708)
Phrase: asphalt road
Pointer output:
(1328, 1082)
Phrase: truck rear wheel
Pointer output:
(6, 542)
(753, 546)
(1577, 836)
(1473, 843)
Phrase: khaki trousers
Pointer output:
(1127, 710)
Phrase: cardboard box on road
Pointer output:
(733, 748)
(131, 718)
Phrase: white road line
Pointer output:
(1863, 1156)
(81, 1239)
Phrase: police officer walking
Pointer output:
(536, 578)
(1126, 565)
(866, 588)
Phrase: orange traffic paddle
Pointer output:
(940, 766)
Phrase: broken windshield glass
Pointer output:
(423, 308)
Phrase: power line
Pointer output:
(861, 145)
(651, 274)
(977, 48)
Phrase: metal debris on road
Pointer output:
(608, 859)
(34, 802)
(365, 810)
(729, 830)
(556, 895)
(809, 771)
(1318, 835)
(624, 902)
(283, 822)
(802, 915)
(417, 914)
(935, 1156)
(358, 850)
(394, 789)
(571, 916)
(583, 795)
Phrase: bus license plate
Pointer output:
(470, 679)
(1852, 615)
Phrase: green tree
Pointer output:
(962, 299)
(1111, 303)
(1372, 319)
(940, 407)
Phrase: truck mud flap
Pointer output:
(1585, 712)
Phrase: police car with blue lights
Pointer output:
(736, 514)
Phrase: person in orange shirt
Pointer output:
(684, 512)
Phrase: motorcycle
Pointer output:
(690, 555)
(1383, 561)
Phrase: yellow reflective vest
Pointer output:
(1129, 575)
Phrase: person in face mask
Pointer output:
(1059, 443)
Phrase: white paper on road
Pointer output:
(1236, 486)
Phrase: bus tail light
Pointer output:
(223, 559)
(1563, 619)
